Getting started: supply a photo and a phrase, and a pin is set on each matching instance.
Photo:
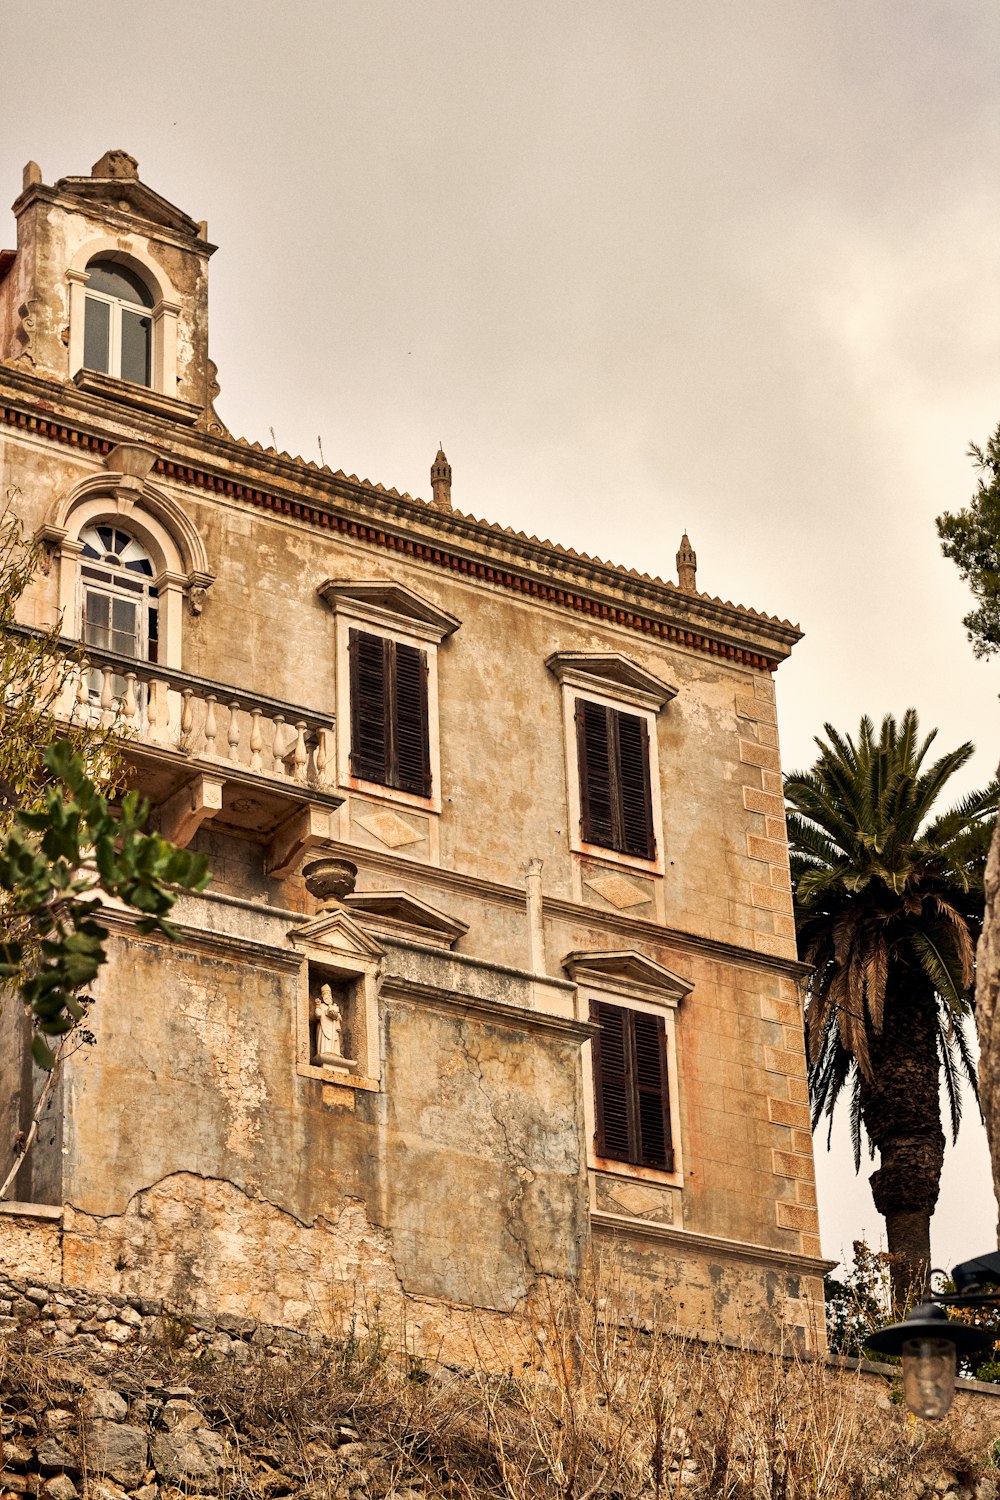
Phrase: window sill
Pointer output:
(599, 854)
(392, 794)
(630, 1172)
(96, 383)
(344, 1078)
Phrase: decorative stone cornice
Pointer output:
(303, 492)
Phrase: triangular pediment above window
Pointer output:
(626, 971)
(398, 914)
(337, 933)
(129, 195)
(612, 674)
(381, 601)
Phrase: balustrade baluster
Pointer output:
(277, 749)
(300, 754)
(211, 728)
(256, 739)
(130, 702)
(107, 697)
(153, 712)
(319, 757)
(234, 731)
(83, 686)
(187, 721)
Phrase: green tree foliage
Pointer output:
(859, 1302)
(68, 839)
(57, 864)
(888, 904)
(971, 538)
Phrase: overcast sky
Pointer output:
(728, 265)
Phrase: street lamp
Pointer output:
(930, 1342)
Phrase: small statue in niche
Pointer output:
(329, 1019)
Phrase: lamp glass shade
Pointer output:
(929, 1376)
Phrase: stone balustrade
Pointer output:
(204, 720)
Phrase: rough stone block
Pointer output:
(784, 1011)
(768, 803)
(770, 899)
(805, 1193)
(189, 1457)
(106, 1404)
(784, 1112)
(771, 781)
(754, 754)
(767, 849)
(788, 1164)
(798, 1089)
(117, 1449)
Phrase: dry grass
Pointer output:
(588, 1401)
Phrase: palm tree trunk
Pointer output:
(988, 1011)
(902, 1114)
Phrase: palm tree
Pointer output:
(888, 905)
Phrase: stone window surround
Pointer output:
(613, 681)
(658, 993)
(390, 610)
(122, 497)
(164, 312)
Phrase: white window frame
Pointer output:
(139, 597)
(165, 312)
(121, 496)
(117, 306)
(614, 681)
(640, 984)
(395, 613)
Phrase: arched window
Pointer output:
(119, 605)
(118, 322)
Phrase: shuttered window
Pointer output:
(630, 1085)
(616, 809)
(389, 735)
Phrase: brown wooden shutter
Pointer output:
(632, 1103)
(412, 760)
(369, 716)
(652, 1106)
(593, 732)
(635, 800)
(610, 1055)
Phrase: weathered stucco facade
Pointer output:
(564, 810)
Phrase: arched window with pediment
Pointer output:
(118, 322)
(128, 559)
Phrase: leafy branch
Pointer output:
(58, 866)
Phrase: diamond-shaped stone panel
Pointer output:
(618, 891)
(635, 1199)
(390, 829)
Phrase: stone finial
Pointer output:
(687, 564)
(329, 879)
(32, 175)
(116, 164)
(441, 482)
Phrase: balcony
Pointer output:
(205, 753)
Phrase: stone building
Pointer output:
(496, 975)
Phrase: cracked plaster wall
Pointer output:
(466, 1172)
